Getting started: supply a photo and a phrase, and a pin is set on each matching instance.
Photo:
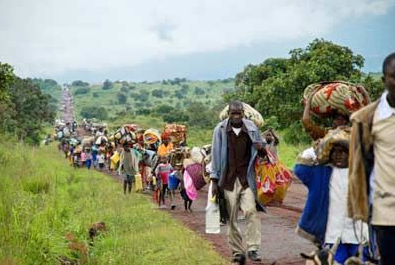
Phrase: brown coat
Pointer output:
(359, 164)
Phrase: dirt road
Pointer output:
(279, 242)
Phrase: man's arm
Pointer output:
(215, 160)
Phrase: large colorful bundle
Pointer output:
(151, 136)
(125, 134)
(249, 113)
(272, 181)
(340, 96)
(176, 132)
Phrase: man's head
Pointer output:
(389, 75)
(339, 155)
(236, 113)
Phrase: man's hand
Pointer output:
(258, 145)
(214, 188)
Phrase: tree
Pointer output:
(79, 83)
(122, 98)
(124, 89)
(179, 94)
(94, 112)
(157, 93)
(107, 84)
(81, 91)
(199, 91)
(29, 111)
(7, 78)
(275, 87)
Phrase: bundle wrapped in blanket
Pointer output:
(126, 134)
(249, 113)
(336, 96)
(176, 132)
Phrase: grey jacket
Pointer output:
(219, 151)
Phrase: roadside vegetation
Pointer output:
(44, 200)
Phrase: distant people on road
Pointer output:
(372, 168)
(235, 145)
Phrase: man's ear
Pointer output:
(383, 79)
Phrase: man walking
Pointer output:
(371, 195)
(236, 142)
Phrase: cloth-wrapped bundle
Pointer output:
(329, 97)
(249, 113)
(125, 134)
(176, 132)
(151, 136)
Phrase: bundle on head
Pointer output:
(335, 97)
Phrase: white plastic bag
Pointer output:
(212, 214)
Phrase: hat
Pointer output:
(339, 136)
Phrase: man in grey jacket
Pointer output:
(236, 143)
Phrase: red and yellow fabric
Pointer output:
(272, 181)
(340, 96)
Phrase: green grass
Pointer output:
(42, 198)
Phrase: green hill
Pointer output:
(135, 98)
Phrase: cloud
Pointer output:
(54, 36)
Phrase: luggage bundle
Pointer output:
(177, 132)
(87, 141)
(151, 136)
(272, 179)
(340, 96)
(249, 113)
(101, 140)
(126, 134)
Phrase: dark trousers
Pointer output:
(386, 241)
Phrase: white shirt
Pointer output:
(236, 130)
(383, 111)
(338, 224)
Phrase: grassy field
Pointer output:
(42, 199)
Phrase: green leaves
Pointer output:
(275, 87)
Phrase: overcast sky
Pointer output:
(94, 40)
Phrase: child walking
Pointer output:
(162, 172)
(324, 171)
